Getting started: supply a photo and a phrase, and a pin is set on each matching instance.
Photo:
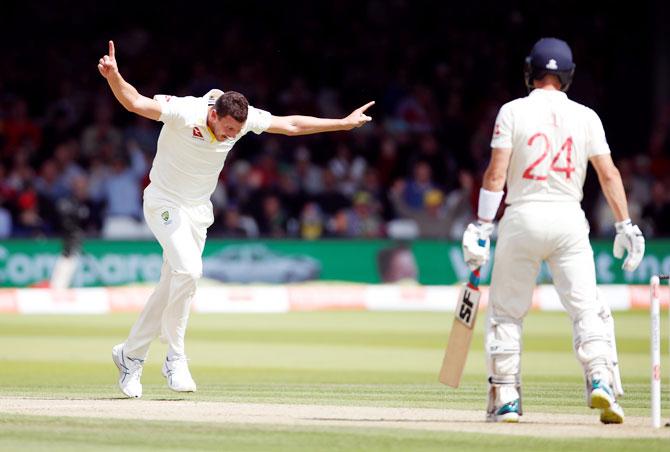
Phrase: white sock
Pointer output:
(506, 394)
(171, 355)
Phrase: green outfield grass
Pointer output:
(342, 358)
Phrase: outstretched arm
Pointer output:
(124, 92)
(305, 125)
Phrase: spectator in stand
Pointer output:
(481, 136)
(29, 222)
(635, 194)
(273, 221)
(20, 130)
(63, 115)
(307, 174)
(232, 224)
(656, 214)
(455, 128)
(460, 205)
(638, 185)
(659, 143)
(388, 163)
(292, 197)
(331, 199)
(267, 171)
(21, 174)
(242, 184)
(417, 110)
(57, 130)
(414, 189)
(220, 200)
(338, 224)
(311, 221)
(50, 185)
(6, 223)
(7, 191)
(123, 196)
(6, 196)
(101, 132)
(363, 220)
(431, 220)
(429, 151)
(65, 157)
(98, 172)
(370, 184)
(144, 132)
(348, 169)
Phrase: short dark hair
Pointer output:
(233, 104)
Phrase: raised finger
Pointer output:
(366, 106)
(111, 49)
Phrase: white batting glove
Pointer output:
(476, 244)
(628, 238)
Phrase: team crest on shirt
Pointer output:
(166, 217)
(197, 134)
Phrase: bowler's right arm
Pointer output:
(124, 92)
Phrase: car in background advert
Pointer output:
(257, 263)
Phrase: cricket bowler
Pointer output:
(197, 135)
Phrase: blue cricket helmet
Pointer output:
(549, 56)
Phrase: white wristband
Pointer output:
(489, 201)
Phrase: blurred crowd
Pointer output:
(71, 157)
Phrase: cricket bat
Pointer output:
(462, 329)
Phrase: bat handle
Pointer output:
(474, 278)
(474, 275)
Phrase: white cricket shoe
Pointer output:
(178, 376)
(612, 415)
(602, 397)
(130, 372)
(508, 412)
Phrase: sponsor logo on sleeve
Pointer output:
(197, 134)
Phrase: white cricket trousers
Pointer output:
(181, 231)
(529, 233)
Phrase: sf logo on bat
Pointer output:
(468, 301)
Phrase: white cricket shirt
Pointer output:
(552, 139)
(188, 157)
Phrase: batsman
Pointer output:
(541, 146)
